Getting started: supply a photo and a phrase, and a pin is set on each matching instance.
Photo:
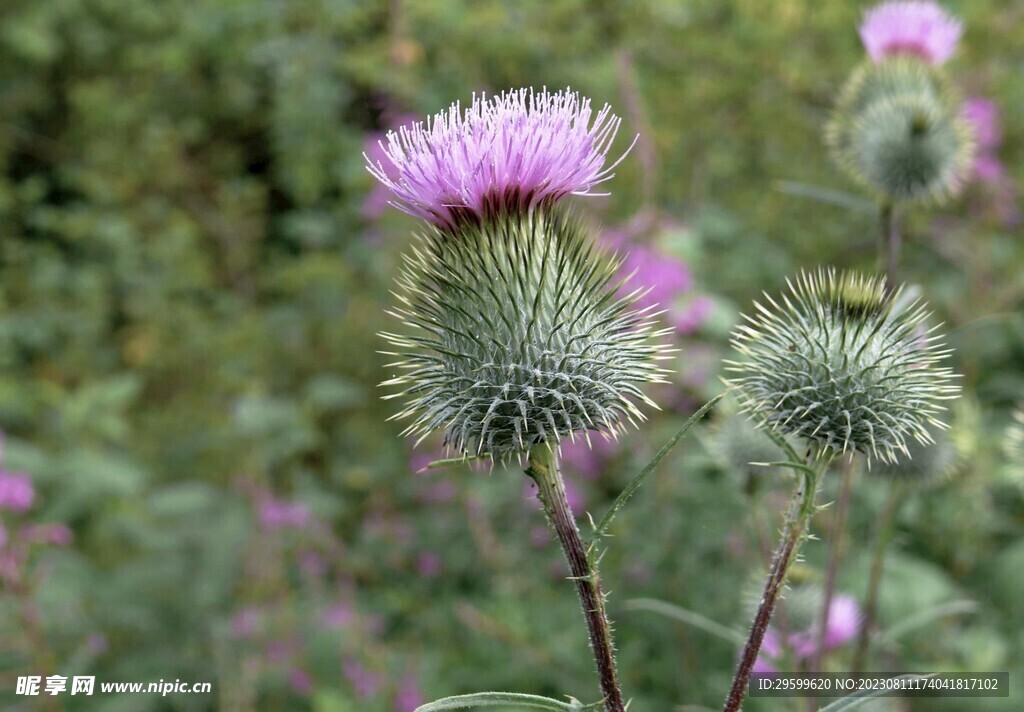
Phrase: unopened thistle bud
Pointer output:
(515, 335)
(897, 130)
(837, 365)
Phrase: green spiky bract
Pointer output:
(516, 336)
(843, 373)
(898, 131)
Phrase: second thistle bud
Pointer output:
(836, 364)
(898, 131)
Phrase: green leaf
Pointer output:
(923, 618)
(857, 699)
(826, 196)
(601, 529)
(494, 699)
(684, 615)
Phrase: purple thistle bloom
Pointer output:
(918, 27)
(983, 116)
(504, 153)
(408, 697)
(16, 491)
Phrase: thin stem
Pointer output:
(891, 242)
(796, 522)
(836, 551)
(885, 528)
(551, 492)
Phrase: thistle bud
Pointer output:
(837, 365)
(898, 132)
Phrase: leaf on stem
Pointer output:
(505, 699)
(684, 615)
(632, 487)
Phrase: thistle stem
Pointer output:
(799, 515)
(885, 529)
(891, 243)
(835, 557)
(544, 471)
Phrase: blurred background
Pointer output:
(198, 480)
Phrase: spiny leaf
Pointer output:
(514, 699)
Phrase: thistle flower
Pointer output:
(844, 621)
(898, 130)
(837, 365)
(516, 337)
(920, 28)
(511, 152)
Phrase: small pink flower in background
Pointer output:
(280, 514)
(585, 460)
(983, 116)
(429, 564)
(340, 615)
(245, 622)
(915, 27)
(47, 534)
(312, 564)
(16, 491)
(408, 697)
(300, 681)
(514, 151)
(666, 280)
(844, 620)
(364, 682)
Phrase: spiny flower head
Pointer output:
(516, 336)
(898, 129)
(835, 363)
(920, 28)
(509, 152)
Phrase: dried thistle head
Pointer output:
(834, 363)
(516, 336)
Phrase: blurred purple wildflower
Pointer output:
(300, 681)
(340, 615)
(507, 152)
(281, 514)
(245, 622)
(365, 682)
(429, 564)
(918, 27)
(983, 116)
(16, 491)
(588, 460)
(844, 619)
(408, 697)
(667, 280)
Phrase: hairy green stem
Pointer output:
(797, 519)
(551, 492)
(885, 529)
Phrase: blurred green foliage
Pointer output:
(190, 289)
